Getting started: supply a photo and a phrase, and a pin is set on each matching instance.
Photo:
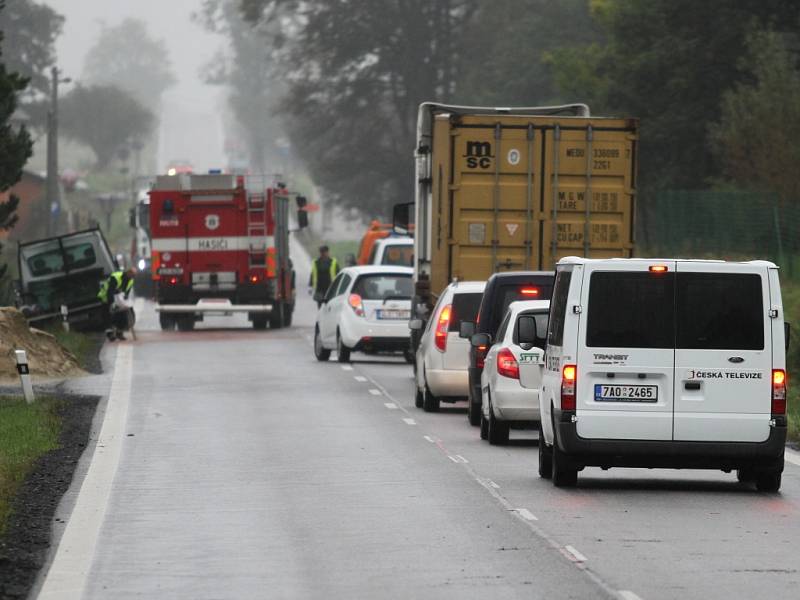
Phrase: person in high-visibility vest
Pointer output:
(119, 282)
(324, 269)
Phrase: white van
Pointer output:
(665, 363)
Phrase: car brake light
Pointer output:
(658, 268)
(507, 364)
(569, 380)
(529, 291)
(442, 325)
(356, 304)
(778, 392)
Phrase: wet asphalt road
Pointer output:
(250, 470)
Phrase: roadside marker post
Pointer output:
(65, 317)
(24, 375)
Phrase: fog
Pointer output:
(190, 124)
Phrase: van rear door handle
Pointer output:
(692, 385)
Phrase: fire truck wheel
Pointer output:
(185, 323)
(342, 351)
(321, 353)
(276, 316)
(287, 315)
(259, 322)
(167, 322)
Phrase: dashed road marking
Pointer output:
(360, 378)
(346, 368)
(409, 421)
(375, 392)
(430, 439)
(390, 405)
(792, 456)
(457, 458)
(526, 514)
(577, 556)
(493, 484)
(628, 595)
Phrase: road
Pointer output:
(233, 465)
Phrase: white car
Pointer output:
(366, 309)
(504, 399)
(443, 356)
(665, 363)
(394, 251)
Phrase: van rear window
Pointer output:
(465, 308)
(631, 310)
(720, 311)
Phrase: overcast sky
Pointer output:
(189, 127)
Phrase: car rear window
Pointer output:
(720, 311)
(631, 310)
(382, 286)
(397, 255)
(465, 308)
(518, 291)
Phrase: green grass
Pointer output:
(26, 433)
(79, 344)
(339, 249)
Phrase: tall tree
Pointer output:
(107, 119)
(128, 57)
(15, 143)
(355, 73)
(29, 31)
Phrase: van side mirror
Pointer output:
(466, 329)
(526, 330)
(401, 218)
(481, 339)
(787, 333)
(415, 324)
(302, 213)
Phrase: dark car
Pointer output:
(501, 290)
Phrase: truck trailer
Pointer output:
(220, 245)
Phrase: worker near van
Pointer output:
(324, 269)
(119, 282)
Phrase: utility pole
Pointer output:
(53, 188)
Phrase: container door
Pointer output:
(626, 352)
(723, 357)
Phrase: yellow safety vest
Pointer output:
(103, 293)
(334, 268)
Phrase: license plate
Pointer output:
(626, 393)
(393, 315)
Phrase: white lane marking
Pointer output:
(493, 484)
(792, 456)
(457, 458)
(628, 595)
(360, 378)
(410, 421)
(526, 514)
(375, 392)
(346, 368)
(68, 573)
(430, 439)
(577, 555)
(390, 405)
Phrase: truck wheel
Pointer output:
(498, 430)
(166, 321)
(563, 473)
(746, 475)
(185, 323)
(276, 316)
(259, 321)
(288, 312)
(319, 351)
(430, 403)
(545, 456)
(342, 351)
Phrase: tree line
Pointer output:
(713, 82)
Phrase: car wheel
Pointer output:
(498, 430)
(564, 475)
(342, 351)
(545, 456)
(768, 481)
(185, 323)
(484, 427)
(167, 322)
(430, 403)
(473, 413)
(320, 352)
(409, 356)
(418, 397)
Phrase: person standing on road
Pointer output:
(323, 271)
(119, 282)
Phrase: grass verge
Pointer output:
(26, 433)
(82, 346)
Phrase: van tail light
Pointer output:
(480, 356)
(569, 381)
(356, 304)
(442, 325)
(778, 392)
(507, 364)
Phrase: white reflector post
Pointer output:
(24, 375)
(65, 317)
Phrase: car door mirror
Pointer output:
(481, 339)
(466, 329)
(415, 324)
(787, 333)
(526, 331)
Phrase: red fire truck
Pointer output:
(220, 245)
